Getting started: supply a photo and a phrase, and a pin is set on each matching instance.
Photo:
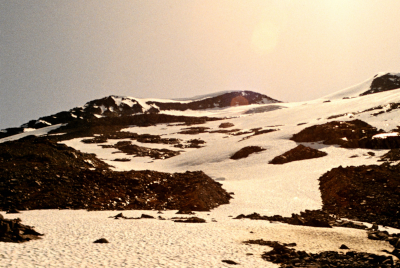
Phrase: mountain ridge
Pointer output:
(117, 106)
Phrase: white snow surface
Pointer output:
(35, 132)
(258, 187)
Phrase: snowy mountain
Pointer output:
(337, 155)
(114, 106)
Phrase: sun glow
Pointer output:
(264, 38)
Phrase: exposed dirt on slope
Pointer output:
(301, 152)
(36, 173)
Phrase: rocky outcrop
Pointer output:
(246, 151)
(288, 257)
(15, 231)
(39, 174)
(110, 127)
(313, 218)
(392, 155)
(383, 83)
(348, 134)
(301, 152)
(365, 193)
(139, 151)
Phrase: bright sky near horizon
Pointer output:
(56, 55)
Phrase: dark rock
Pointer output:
(120, 215)
(101, 240)
(230, 262)
(13, 211)
(226, 125)
(191, 220)
(122, 159)
(343, 247)
(301, 152)
(185, 212)
(246, 151)
(392, 155)
(255, 132)
(194, 130)
(314, 218)
(145, 216)
(15, 231)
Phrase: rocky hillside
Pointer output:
(36, 173)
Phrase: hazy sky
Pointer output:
(56, 55)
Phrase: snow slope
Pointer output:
(258, 187)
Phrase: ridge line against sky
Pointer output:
(56, 55)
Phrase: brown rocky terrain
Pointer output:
(15, 231)
(36, 173)
(288, 257)
(110, 127)
(392, 155)
(313, 218)
(139, 151)
(366, 193)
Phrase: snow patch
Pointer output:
(385, 135)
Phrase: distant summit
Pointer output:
(119, 106)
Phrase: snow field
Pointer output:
(69, 236)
